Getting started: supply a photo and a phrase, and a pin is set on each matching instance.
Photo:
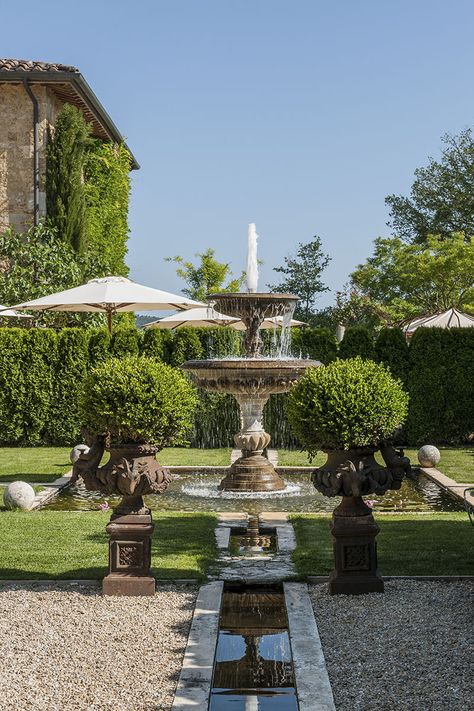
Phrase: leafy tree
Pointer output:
(302, 276)
(406, 280)
(65, 194)
(354, 308)
(37, 263)
(441, 200)
(207, 277)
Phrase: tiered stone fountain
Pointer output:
(252, 378)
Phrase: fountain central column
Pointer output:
(252, 471)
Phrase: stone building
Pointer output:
(31, 95)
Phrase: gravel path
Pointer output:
(78, 651)
(411, 649)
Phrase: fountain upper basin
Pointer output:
(254, 304)
(252, 376)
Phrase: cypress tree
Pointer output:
(65, 194)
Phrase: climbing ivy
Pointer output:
(107, 190)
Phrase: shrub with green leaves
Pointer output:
(186, 345)
(154, 343)
(138, 399)
(391, 348)
(317, 343)
(346, 404)
(357, 341)
(125, 341)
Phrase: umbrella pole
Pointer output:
(109, 321)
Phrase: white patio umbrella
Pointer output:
(10, 313)
(208, 317)
(109, 295)
(452, 318)
(205, 316)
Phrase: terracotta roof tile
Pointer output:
(26, 65)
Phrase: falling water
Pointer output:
(252, 263)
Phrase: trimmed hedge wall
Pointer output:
(41, 369)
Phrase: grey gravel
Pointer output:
(73, 651)
(410, 649)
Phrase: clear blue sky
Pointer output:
(299, 115)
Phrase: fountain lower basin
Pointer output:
(251, 381)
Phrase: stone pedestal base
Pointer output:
(129, 556)
(355, 550)
(252, 473)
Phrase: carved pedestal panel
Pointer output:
(129, 556)
(355, 550)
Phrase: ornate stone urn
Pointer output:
(353, 474)
(132, 472)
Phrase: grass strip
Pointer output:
(408, 544)
(67, 544)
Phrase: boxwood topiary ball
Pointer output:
(345, 405)
(136, 399)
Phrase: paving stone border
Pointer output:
(450, 485)
(194, 684)
(311, 677)
(52, 490)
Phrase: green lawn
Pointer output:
(33, 463)
(193, 457)
(63, 544)
(46, 464)
(434, 544)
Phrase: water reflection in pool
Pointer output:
(199, 492)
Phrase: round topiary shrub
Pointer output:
(138, 400)
(346, 404)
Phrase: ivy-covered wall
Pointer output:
(107, 191)
(41, 369)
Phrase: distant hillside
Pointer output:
(140, 321)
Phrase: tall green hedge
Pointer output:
(186, 345)
(155, 344)
(99, 345)
(391, 348)
(124, 342)
(41, 371)
(316, 343)
(41, 355)
(357, 341)
(13, 350)
(63, 426)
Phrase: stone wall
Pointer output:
(16, 151)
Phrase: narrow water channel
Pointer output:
(253, 668)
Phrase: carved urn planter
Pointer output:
(135, 406)
(349, 409)
(353, 474)
(132, 472)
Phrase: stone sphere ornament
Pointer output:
(78, 451)
(19, 495)
(429, 456)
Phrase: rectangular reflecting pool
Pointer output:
(253, 668)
